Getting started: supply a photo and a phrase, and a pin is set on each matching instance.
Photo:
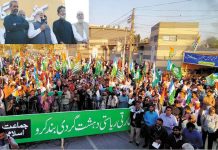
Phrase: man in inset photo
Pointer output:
(15, 26)
(81, 29)
(39, 32)
(62, 28)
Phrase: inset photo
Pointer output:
(44, 22)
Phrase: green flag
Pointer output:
(210, 80)
(156, 78)
(114, 70)
(176, 71)
(57, 65)
(98, 68)
(77, 67)
(138, 75)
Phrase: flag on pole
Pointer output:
(196, 42)
(114, 69)
(77, 67)
(189, 97)
(169, 65)
(210, 80)
(120, 75)
(171, 52)
(57, 65)
(36, 76)
(138, 75)
(176, 71)
(98, 68)
(172, 93)
(1, 63)
(132, 68)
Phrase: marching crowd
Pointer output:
(17, 30)
(41, 84)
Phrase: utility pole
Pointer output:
(132, 37)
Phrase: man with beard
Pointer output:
(81, 29)
(39, 32)
(175, 140)
(63, 29)
(158, 135)
(123, 100)
(15, 26)
(150, 119)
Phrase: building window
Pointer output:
(170, 38)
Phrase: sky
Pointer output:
(73, 6)
(150, 12)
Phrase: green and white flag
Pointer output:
(87, 66)
(172, 93)
(77, 67)
(99, 68)
(120, 75)
(210, 80)
(176, 71)
(57, 65)
(138, 75)
(114, 69)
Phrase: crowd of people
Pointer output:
(42, 83)
(17, 30)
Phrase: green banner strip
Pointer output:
(40, 127)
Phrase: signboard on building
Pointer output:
(199, 59)
(39, 127)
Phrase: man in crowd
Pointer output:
(169, 120)
(81, 29)
(158, 135)
(192, 136)
(175, 140)
(63, 29)
(39, 32)
(7, 143)
(150, 119)
(136, 117)
(123, 100)
(15, 26)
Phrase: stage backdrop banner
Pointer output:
(40, 127)
(198, 59)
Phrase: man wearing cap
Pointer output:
(15, 26)
(81, 29)
(39, 32)
(63, 29)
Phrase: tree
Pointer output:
(212, 42)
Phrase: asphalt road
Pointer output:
(119, 140)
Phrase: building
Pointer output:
(144, 51)
(177, 35)
(105, 41)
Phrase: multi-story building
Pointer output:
(179, 36)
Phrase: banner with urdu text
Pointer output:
(39, 127)
(198, 59)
